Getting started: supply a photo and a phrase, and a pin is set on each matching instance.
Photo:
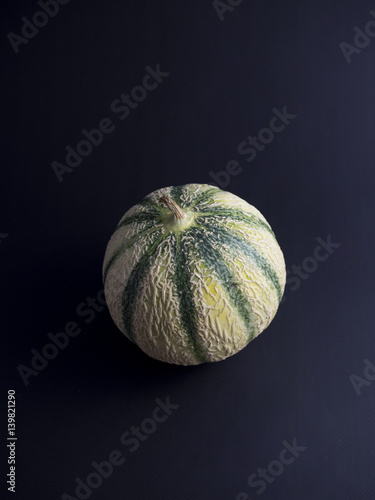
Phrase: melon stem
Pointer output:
(173, 207)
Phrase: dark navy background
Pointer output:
(314, 179)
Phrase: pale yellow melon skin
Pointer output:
(220, 331)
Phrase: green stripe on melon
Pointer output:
(192, 274)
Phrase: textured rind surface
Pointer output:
(196, 295)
